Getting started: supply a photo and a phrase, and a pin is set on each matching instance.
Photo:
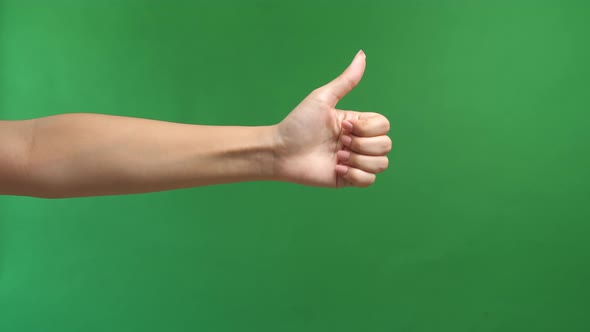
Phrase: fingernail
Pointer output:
(346, 140)
(361, 52)
(343, 155)
(347, 125)
(341, 169)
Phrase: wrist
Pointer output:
(273, 154)
(267, 153)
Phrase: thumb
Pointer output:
(349, 79)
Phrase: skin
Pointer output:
(82, 154)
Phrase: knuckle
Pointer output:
(350, 84)
(383, 165)
(319, 95)
(388, 144)
(386, 125)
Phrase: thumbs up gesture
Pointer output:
(320, 145)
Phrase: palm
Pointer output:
(312, 156)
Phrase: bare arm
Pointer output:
(73, 155)
(15, 139)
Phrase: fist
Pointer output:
(320, 145)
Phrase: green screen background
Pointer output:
(482, 222)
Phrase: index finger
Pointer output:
(370, 125)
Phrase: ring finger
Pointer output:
(372, 164)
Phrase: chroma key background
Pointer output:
(482, 222)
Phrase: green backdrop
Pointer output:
(482, 222)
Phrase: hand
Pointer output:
(320, 145)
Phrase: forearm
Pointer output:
(90, 154)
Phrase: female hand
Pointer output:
(323, 146)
